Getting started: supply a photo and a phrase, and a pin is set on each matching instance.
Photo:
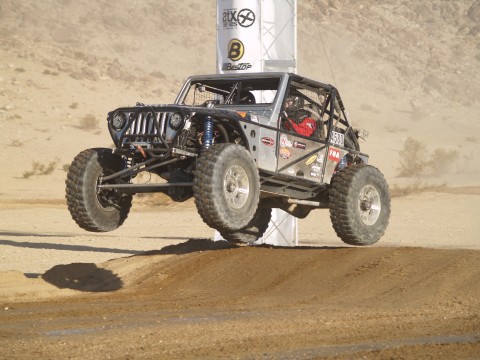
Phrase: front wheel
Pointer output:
(359, 204)
(93, 209)
(226, 187)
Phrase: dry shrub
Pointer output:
(15, 117)
(48, 72)
(41, 169)
(159, 75)
(16, 143)
(88, 122)
(415, 187)
(415, 160)
(370, 108)
(158, 92)
(90, 59)
(85, 73)
(442, 160)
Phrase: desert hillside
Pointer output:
(158, 287)
(408, 72)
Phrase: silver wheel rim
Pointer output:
(102, 195)
(236, 186)
(369, 205)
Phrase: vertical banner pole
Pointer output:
(260, 36)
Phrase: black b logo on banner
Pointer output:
(235, 50)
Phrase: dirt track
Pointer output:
(201, 299)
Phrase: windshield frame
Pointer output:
(228, 89)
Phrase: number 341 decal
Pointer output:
(337, 138)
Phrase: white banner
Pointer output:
(238, 36)
(257, 36)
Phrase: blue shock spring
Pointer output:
(207, 133)
(343, 163)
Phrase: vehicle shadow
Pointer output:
(191, 246)
(53, 246)
(89, 277)
(202, 244)
(83, 277)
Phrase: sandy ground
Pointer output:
(36, 237)
(148, 290)
(158, 287)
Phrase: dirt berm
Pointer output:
(201, 299)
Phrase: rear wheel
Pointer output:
(226, 187)
(359, 204)
(92, 209)
(254, 230)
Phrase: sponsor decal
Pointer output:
(254, 118)
(284, 142)
(235, 49)
(311, 160)
(229, 18)
(268, 141)
(337, 138)
(291, 171)
(241, 66)
(285, 153)
(245, 18)
(334, 155)
(232, 18)
(299, 145)
(314, 174)
(320, 158)
(242, 113)
(316, 168)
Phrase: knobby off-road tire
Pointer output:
(95, 211)
(359, 204)
(254, 230)
(226, 187)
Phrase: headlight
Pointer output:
(118, 121)
(176, 121)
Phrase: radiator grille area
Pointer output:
(145, 129)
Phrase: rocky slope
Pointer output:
(404, 69)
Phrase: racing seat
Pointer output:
(313, 111)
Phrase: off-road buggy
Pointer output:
(230, 141)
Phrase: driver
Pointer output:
(296, 119)
(246, 98)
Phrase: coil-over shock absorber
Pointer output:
(207, 139)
